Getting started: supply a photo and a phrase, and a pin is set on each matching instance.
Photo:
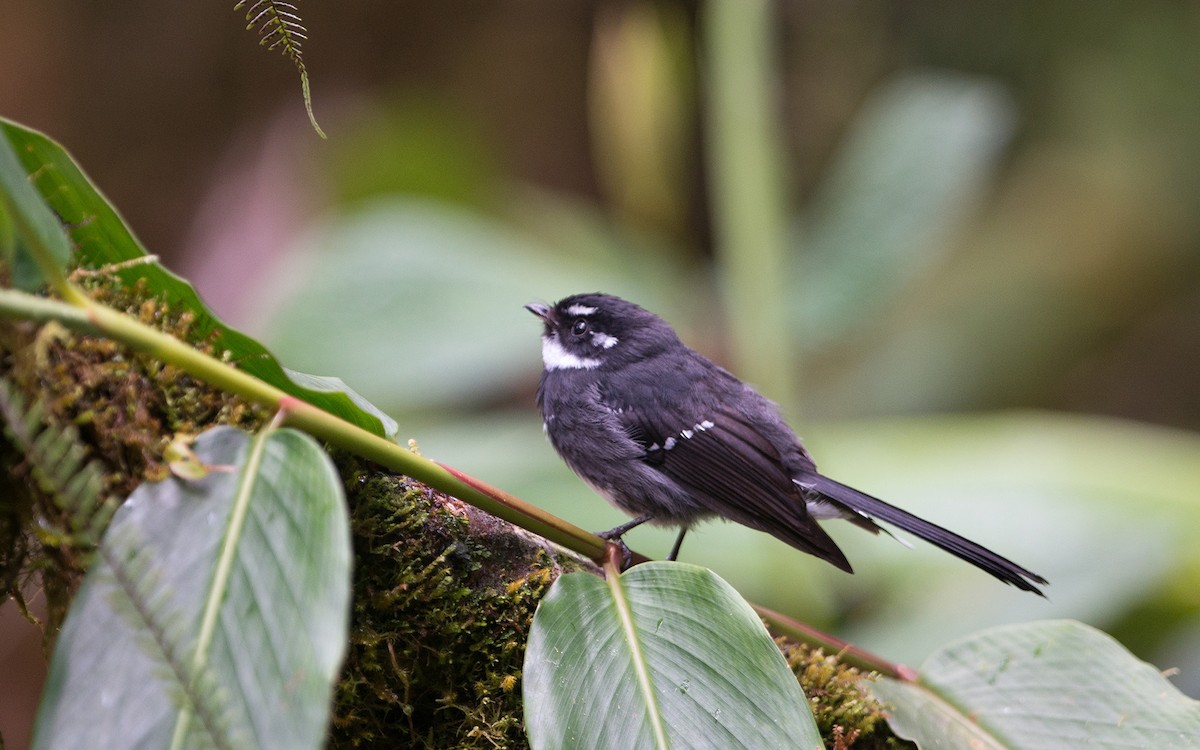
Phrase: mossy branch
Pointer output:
(278, 27)
(93, 317)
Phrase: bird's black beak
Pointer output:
(545, 312)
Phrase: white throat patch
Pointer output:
(555, 357)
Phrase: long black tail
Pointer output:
(981, 557)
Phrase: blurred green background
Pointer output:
(960, 244)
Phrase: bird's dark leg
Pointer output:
(613, 536)
(619, 531)
(678, 543)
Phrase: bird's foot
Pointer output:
(618, 553)
(616, 548)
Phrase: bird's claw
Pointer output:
(617, 553)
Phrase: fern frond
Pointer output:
(56, 460)
(278, 27)
(147, 607)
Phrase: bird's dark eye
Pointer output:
(580, 327)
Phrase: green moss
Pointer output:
(125, 407)
(846, 714)
(444, 595)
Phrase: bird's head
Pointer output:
(588, 331)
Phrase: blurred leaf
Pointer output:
(1102, 508)
(24, 212)
(220, 605)
(1040, 685)
(1077, 259)
(579, 235)
(666, 645)
(101, 239)
(25, 273)
(421, 303)
(21, 266)
(915, 160)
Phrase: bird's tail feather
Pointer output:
(961, 547)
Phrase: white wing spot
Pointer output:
(705, 425)
(669, 443)
(687, 434)
(580, 310)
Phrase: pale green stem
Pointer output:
(746, 158)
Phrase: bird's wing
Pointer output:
(725, 461)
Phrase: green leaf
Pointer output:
(334, 385)
(667, 655)
(1056, 684)
(915, 160)
(24, 214)
(21, 265)
(101, 240)
(217, 613)
(25, 273)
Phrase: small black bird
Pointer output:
(671, 438)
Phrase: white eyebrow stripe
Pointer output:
(555, 357)
(580, 310)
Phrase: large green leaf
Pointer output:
(1053, 685)
(64, 209)
(217, 612)
(915, 160)
(665, 655)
